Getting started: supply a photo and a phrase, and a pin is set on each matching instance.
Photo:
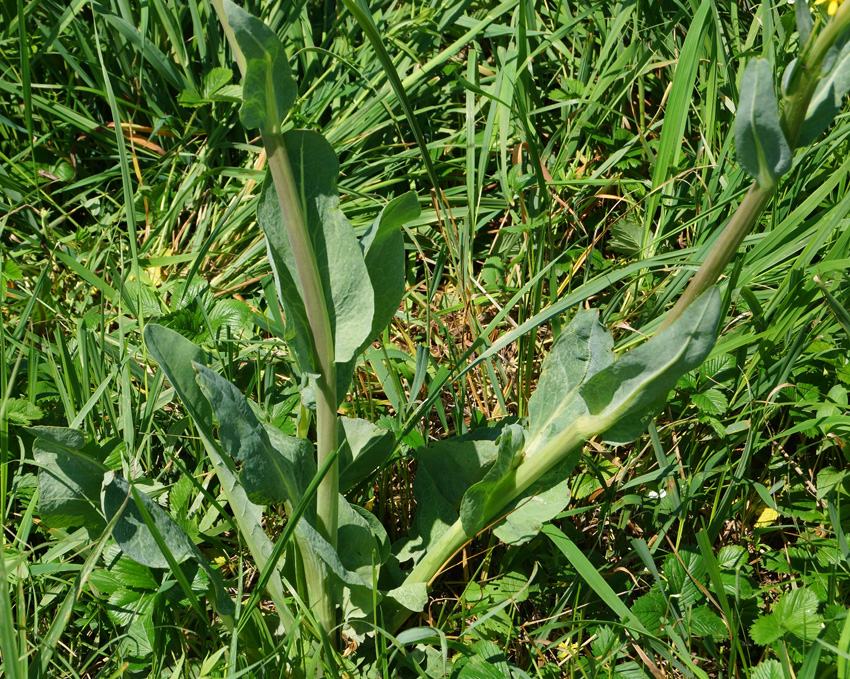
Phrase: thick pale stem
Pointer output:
(318, 317)
(519, 481)
(757, 198)
(327, 495)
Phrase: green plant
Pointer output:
(513, 476)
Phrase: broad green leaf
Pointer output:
(274, 467)
(175, 355)
(345, 279)
(626, 395)
(355, 565)
(679, 583)
(412, 596)
(581, 350)
(525, 516)
(131, 533)
(61, 436)
(137, 542)
(383, 251)
(268, 90)
(68, 485)
(363, 449)
(828, 98)
(445, 470)
(762, 148)
(479, 501)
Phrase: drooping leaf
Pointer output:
(131, 533)
(583, 349)
(68, 486)
(345, 280)
(138, 542)
(275, 467)
(268, 90)
(383, 251)
(363, 448)
(828, 98)
(175, 355)
(627, 394)
(762, 148)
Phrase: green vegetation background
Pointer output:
(580, 153)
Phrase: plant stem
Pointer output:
(526, 474)
(757, 198)
(318, 317)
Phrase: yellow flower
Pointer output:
(832, 8)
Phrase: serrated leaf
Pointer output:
(216, 79)
(348, 291)
(795, 613)
(626, 236)
(711, 402)
(233, 315)
(651, 610)
(732, 557)
(762, 149)
(21, 412)
(268, 90)
(705, 623)
(626, 395)
(682, 569)
(11, 270)
(489, 662)
(769, 669)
